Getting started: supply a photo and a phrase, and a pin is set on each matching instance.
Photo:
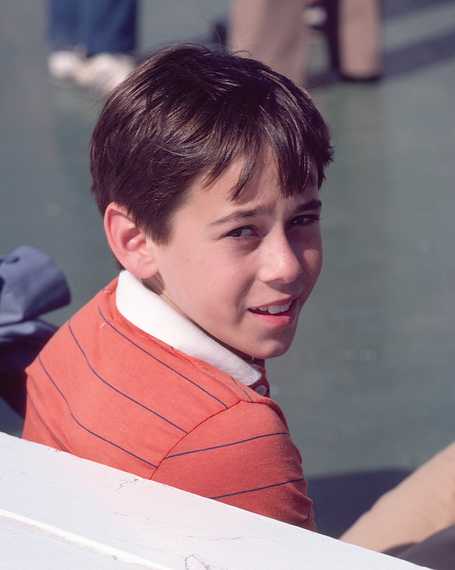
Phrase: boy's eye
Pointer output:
(243, 232)
(305, 220)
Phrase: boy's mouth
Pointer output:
(275, 309)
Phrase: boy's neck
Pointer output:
(150, 313)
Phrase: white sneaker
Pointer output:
(64, 64)
(104, 72)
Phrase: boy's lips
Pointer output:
(275, 307)
(279, 313)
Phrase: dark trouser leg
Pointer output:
(63, 24)
(437, 551)
(110, 26)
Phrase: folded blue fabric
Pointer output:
(30, 285)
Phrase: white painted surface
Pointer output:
(61, 512)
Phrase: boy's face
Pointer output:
(243, 270)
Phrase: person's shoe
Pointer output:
(103, 72)
(64, 64)
(315, 15)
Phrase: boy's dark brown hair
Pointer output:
(188, 111)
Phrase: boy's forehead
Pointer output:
(265, 173)
(263, 192)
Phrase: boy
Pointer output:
(207, 170)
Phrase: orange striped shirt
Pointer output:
(105, 390)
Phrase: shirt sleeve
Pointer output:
(244, 457)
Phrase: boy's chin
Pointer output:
(266, 351)
(273, 352)
(270, 348)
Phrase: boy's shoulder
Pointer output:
(104, 385)
(106, 339)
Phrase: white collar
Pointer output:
(147, 311)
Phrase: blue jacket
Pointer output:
(30, 285)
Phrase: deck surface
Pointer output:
(59, 511)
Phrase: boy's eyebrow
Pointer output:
(246, 214)
(314, 204)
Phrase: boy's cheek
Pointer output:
(313, 261)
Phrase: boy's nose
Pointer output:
(280, 263)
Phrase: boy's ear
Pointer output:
(129, 243)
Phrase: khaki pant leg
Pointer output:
(360, 37)
(271, 31)
(422, 505)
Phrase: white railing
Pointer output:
(59, 512)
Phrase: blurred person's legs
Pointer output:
(109, 37)
(360, 42)
(64, 38)
(103, 30)
(274, 32)
(63, 24)
(271, 31)
(109, 26)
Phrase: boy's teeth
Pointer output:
(275, 309)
